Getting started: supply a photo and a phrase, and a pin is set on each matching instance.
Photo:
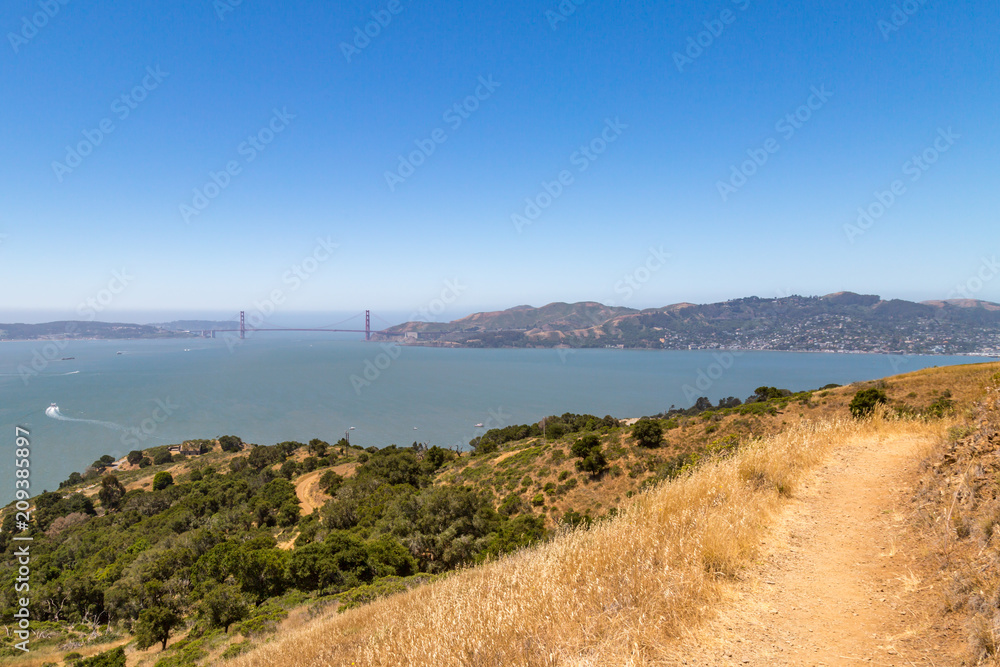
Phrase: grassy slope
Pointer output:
(619, 592)
(634, 468)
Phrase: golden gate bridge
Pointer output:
(367, 331)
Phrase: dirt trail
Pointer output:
(839, 582)
(307, 489)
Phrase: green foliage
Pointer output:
(145, 462)
(154, 626)
(552, 428)
(518, 533)
(865, 400)
(162, 480)
(436, 457)
(73, 479)
(263, 619)
(185, 653)
(588, 448)
(380, 588)
(50, 505)
(318, 447)
(113, 658)
(276, 504)
(231, 443)
(103, 462)
(162, 457)
(222, 606)
(330, 481)
(763, 394)
(263, 456)
(237, 649)
(134, 457)
(111, 493)
(582, 447)
(512, 504)
(290, 469)
(576, 520)
(941, 406)
(648, 433)
(392, 465)
(594, 463)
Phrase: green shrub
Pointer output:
(864, 402)
(162, 480)
(237, 649)
(161, 457)
(648, 433)
(112, 658)
(582, 447)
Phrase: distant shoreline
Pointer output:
(458, 346)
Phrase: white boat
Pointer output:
(479, 425)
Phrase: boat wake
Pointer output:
(44, 375)
(53, 412)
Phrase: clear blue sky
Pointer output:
(678, 124)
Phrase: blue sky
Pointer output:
(668, 99)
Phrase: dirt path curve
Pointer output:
(307, 489)
(839, 582)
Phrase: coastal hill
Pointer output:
(83, 329)
(843, 321)
(560, 539)
(839, 322)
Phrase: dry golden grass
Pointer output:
(957, 511)
(618, 593)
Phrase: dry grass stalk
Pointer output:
(615, 594)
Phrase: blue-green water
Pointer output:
(296, 388)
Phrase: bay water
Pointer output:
(98, 397)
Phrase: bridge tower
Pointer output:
(243, 325)
(368, 325)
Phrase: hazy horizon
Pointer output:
(308, 317)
